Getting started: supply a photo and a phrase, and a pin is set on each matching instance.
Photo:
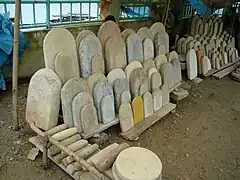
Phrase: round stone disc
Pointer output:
(137, 163)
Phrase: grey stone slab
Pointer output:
(93, 79)
(177, 71)
(98, 64)
(43, 99)
(160, 50)
(134, 48)
(159, 61)
(148, 49)
(101, 90)
(157, 99)
(82, 35)
(89, 47)
(150, 72)
(115, 74)
(165, 94)
(138, 77)
(125, 97)
(206, 30)
(119, 86)
(70, 89)
(144, 88)
(89, 119)
(148, 104)
(167, 74)
(126, 117)
(179, 45)
(172, 55)
(148, 64)
(65, 67)
(58, 40)
(115, 53)
(191, 60)
(130, 67)
(107, 109)
(80, 100)
(162, 38)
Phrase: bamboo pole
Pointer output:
(15, 63)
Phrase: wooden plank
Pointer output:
(101, 128)
(138, 129)
(213, 71)
(226, 71)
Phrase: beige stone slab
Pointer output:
(157, 27)
(120, 86)
(70, 89)
(172, 55)
(89, 47)
(98, 64)
(107, 30)
(89, 120)
(138, 109)
(179, 45)
(130, 67)
(165, 94)
(206, 65)
(157, 97)
(65, 134)
(126, 117)
(177, 71)
(150, 72)
(93, 79)
(107, 109)
(115, 74)
(115, 53)
(43, 100)
(162, 38)
(159, 61)
(167, 74)
(160, 50)
(148, 104)
(138, 77)
(156, 81)
(80, 100)
(148, 64)
(125, 97)
(58, 40)
(144, 88)
(144, 33)
(126, 33)
(82, 35)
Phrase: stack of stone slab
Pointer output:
(69, 138)
(208, 48)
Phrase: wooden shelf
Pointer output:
(139, 128)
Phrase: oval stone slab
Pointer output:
(101, 90)
(107, 109)
(134, 48)
(65, 67)
(98, 64)
(79, 101)
(93, 79)
(157, 99)
(126, 117)
(89, 121)
(82, 35)
(43, 99)
(115, 53)
(191, 60)
(126, 33)
(138, 109)
(144, 33)
(115, 74)
(108, 29)
(70, 89)
(148, 104)
(58, 40)
(130, 67)
(148, 49)
(88, 48)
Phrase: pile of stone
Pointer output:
(99, 78)
(208, 47)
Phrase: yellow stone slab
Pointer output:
(138, 109)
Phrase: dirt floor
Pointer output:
(201, 140)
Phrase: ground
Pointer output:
(200, 141)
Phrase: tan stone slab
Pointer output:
(144, 88)
(138, 77)
(159, 61)
(144, 33)
(126, 117)
(157, 27)
(148, 49)
(126, 33)
(115, 74)
(98, 64)
(172, 55)
(156, 81)
(93, 79)
(148, 64)
(130, 67)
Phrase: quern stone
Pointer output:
(43, 99)
(138, 109)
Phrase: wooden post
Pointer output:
(166, 12)
(15, 63)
